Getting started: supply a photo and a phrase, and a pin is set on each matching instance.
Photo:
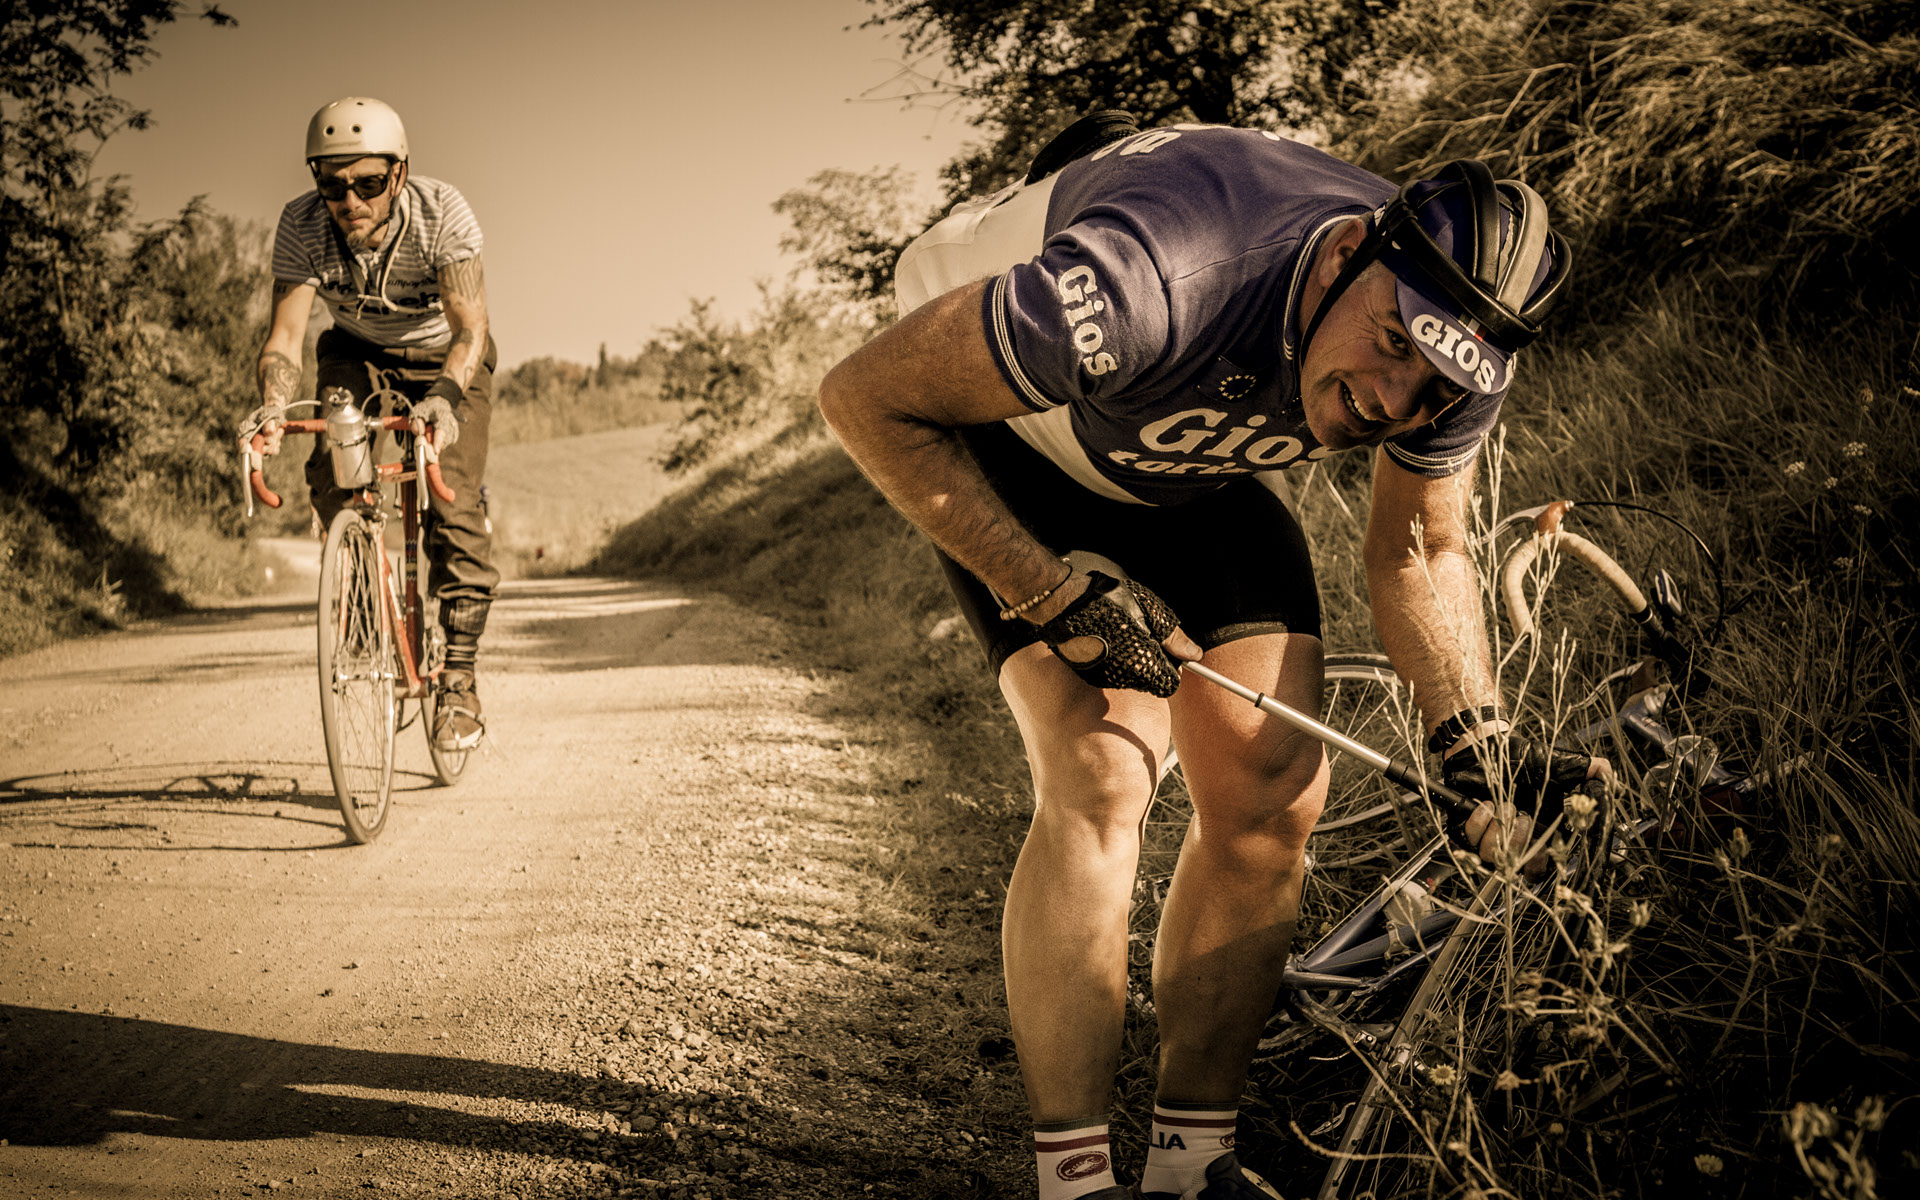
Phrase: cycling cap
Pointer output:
(355, 127)
(1476, 270)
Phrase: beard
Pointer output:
(367, 239)
(371, 236)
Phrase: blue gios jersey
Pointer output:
(1164, 310)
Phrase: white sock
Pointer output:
(1186, 1138)
(1073, 1158)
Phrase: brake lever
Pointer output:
(1659, 621)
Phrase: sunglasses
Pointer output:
(366, 187)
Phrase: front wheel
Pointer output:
(357, 704)
(1463, 1083)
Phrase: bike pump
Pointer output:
(1398, 770)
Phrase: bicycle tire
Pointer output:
(1425, 1123)
(449, 766)
(1362, 698)
(1363, 823)
(358, 709)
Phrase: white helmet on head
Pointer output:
(355, 127)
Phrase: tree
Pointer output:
(1031, 66)
(849, 229)
(64, 319)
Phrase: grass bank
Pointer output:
(72, 565)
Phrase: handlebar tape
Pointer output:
(256, 476)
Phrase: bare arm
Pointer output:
(895, 404)
(463, 294)
(1426, 606)
(278, 372)
(1424, 591)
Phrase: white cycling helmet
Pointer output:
(355, 127)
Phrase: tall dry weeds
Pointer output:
(1754, 139)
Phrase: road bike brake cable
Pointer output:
(1720, 611)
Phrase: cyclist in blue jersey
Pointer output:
(395, 258)
(1094, 370)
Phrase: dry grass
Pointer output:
(1767, 141)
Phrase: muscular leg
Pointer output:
(1257, 788)
(1095, 757)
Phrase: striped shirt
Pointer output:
(389, 296)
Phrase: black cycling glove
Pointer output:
(1538, 778)
(1130, 622)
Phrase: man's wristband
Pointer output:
(1458, 725)
(448, 390)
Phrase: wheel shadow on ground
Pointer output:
(251, 806)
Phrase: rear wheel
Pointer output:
(358, 709)
(448, 765)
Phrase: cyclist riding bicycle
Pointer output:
(396, 259)
(1100, 361)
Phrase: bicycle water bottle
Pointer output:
(347, 441)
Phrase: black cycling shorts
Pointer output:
(1231, 564)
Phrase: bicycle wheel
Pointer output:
(1362, 829)
(1437, 1114)
(1365, 700)
(357, 704)
(448, 765)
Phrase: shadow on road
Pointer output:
(181, 806)
(74, 1079)
(564, 625)
(295, 608)
(231, 667)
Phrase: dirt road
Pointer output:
(648, 947)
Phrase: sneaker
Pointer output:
(1226, 1180)
(457, 724)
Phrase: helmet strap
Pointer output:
(1362, 257)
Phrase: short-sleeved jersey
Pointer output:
(389, 296)
(1164, 310)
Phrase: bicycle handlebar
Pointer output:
(1548, 534)
(256, 476)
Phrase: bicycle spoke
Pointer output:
(357, 704)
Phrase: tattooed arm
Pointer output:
(463, 293)
(278, 373)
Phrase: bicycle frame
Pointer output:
(404, 619)
(1347, 959)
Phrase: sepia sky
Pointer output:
(621, 156)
